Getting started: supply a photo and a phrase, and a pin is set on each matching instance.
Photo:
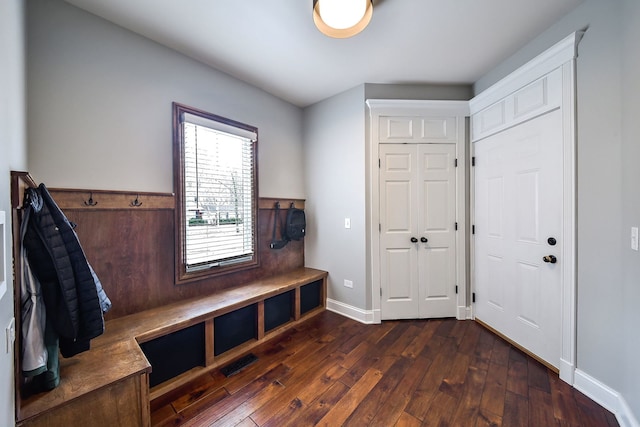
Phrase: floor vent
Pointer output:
(238, 365)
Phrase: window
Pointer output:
(216, 191)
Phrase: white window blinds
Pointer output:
(218, 193)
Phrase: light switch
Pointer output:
(634, 238)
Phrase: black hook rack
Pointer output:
(90, 202)
(136, 203)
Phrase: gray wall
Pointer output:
(607, 180)
(630, 345)
(13, 157)
(334, 150)
(99, 103)
(416, 91)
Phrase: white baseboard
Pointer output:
(567, 371)
(606, 397)
(355, 313)
(462, 313)
(470, 314)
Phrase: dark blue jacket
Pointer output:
(69, 288)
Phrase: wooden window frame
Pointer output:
(182, 276)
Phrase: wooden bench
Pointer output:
(115, 372)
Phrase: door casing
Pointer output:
(451, 114)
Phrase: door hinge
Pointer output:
(473, 297)
(380, 291)
(473, 229)
(473, 161)
(456, 163)
(456, 289)
(456, 226)
(379, 164)
(379, 227)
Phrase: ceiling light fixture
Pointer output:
(342, 18)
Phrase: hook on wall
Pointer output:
(136, 203)
(90, 202)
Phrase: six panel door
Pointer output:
(417, 214)
(518, 234)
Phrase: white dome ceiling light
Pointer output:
(342, 18)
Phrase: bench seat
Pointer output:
(116, 357)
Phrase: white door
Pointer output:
(518, 234)
(417, 230)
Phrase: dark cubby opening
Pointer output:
(235, 328)
(310, 296)
(278, 310)
(175, 353)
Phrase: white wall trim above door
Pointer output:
(498, 108)
(406, 109)
(552, 58)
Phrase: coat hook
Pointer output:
(136, 203)
(90, 202)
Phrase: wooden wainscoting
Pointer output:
(129, 239)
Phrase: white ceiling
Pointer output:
(274, 45)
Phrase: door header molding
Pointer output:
(549, 60)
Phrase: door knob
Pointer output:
(424, 239)
(550, 258)
(552, 241)
(414, 240)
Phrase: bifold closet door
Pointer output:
(417, 230)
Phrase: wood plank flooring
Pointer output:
(333, 371)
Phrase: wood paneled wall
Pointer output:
(131, 247)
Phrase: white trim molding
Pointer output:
(552, 58)
(605, 397)
(355, 313)
(378, 109)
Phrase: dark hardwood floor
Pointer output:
(334, 371)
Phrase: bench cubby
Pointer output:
(234, 328)
(176, 353)
(311, 296)
(278, 310)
